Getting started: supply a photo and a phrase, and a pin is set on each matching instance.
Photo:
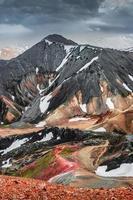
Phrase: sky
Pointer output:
(107, 23)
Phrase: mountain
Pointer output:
(7, 53)
(59, 39)
(10, 52)
(68, 86)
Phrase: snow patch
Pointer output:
(47, 41)
(126, 87)
(48, 137)
(101, 129)
(78, 119)
(83, 107)
(50, 82)
(89, 47)
(37, 70)
(125, 169)
(109, 103)
(13, 97)
(17, 143)
(41, 124)
(6, 164)
(77, 57)
(44, 103)
(88, 64)
(26, 108)
(81, 48)
(68, 48)
(131, 77)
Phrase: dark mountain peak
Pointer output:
(59, 39)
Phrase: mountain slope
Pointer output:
(56, 82)
(91, 81)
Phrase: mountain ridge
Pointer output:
(89, 79)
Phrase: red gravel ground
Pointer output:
(12, 188)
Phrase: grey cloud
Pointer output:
(58, 10)
(117, 14)
(68, 17)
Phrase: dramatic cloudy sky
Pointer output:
(98, 22)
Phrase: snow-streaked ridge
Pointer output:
(68, 51)
(88, 64)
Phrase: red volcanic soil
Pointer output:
(59, 165)
(12, 188)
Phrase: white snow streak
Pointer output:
(109, 103)
(68, 49)
(126, 87)
(88, 64)
(38, 88)
(131, 77)
(78, 119)
(44, 103)
(77, 57)
(62, 63)
(17, 143)
(83, 107)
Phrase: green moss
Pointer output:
(40, 164)
(5, 126)
(66, 152)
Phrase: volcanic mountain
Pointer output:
(68, 85)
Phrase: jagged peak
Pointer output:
(59, 39)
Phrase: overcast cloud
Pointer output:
(87, 21)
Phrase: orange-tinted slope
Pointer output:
(12, 188)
